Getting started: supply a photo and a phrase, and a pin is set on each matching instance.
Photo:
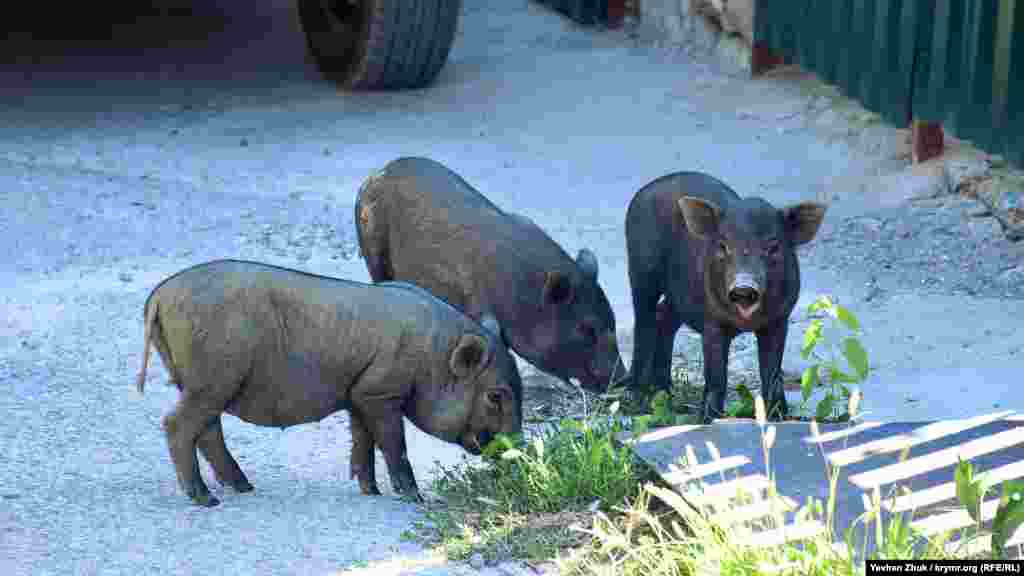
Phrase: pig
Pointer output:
(280, 347)
(700, 255)
(420, 222)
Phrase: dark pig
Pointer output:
(420, 222)
(702, 256)
(280, 347)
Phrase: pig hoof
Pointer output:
(413, 497)
(206, 500)
(242, 486)
(371, 490)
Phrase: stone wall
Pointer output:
(722, 28)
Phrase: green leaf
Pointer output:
(641, 424)
(811, 337)
(824, 408)
(614, 408)
(856, 357)
(808, 380)
(511, 454)
(662, 407)
(967, 489)
(746, 396)
(1009, 516)
(820, 303)
(571, 425)
(847, 317)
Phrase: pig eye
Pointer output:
(494, 397)
(773, 248)
(588, 332)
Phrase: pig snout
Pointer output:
(605, 366)
(474, 443)
(745, 294)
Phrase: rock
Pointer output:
(959, 169)
(872, 225)
(513, 569)
(1013, 275)
(828, 119)
(883, 140)
(734, 50)
(928, 182)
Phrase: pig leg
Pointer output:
(183, 426)
(771, 342)
(211, 444)
(668, 324)
(715, 341)
(362, 459)
(645, 333)
(389, 432)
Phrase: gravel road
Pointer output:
(189, 138)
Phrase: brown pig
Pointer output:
(420, 222)
(280, 347)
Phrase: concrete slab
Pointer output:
(799, 466)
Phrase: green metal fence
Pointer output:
(957, 62)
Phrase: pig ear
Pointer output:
(803, 220)
(700, 216)
(469, 355)
(489, 322)
(557, 288)
(587, 263)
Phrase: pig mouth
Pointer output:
(474, 443)
(747, 311)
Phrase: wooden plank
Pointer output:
(725, 491)
(983, 543)
(947, 491)
(938, 523)
(662, 433)
(702, 470)
(918, 436)
(937, 459)
(759, 509)
(789, 533)
(838, 434)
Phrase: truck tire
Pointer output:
(379, 44)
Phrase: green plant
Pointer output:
(828, 364)
(971, 490)
(743, 407)
(692, 538)
(522, 499)
(662, 414)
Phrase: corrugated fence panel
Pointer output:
(1012, 120)
(946, 61)
(974, 118)
(893, 60)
